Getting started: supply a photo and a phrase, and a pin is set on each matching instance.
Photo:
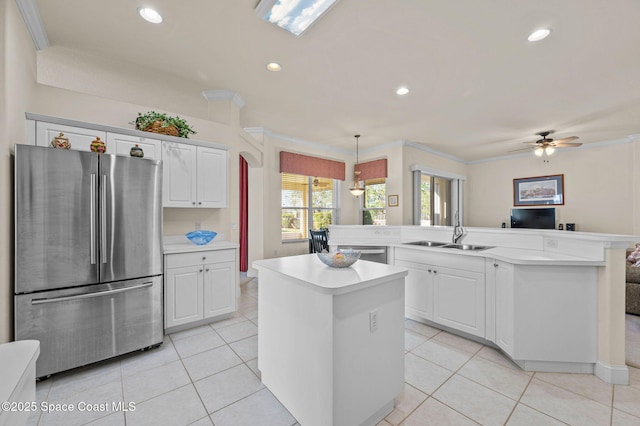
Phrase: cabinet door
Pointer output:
(219, 289)
(122, 144)
(212, 178)
(504, 305)
(179, 175)
(459, 300)
(183, 295)
(79, 138)
(418, 293)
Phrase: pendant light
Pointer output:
(356, 189)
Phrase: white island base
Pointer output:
(331, 341)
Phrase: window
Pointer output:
(307, 203)
(374, 202)
(435, 200)
(437, 196)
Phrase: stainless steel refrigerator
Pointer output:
(88, 255)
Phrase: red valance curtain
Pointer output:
(311, 166)
(376, 169)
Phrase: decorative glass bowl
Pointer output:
(339, 258)
(201, 237)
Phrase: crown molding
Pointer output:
(626, 139)
(322, 147)
(31, 16)
(224, 95)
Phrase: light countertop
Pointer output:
(515, 256)
(180, 244)
(314, 274)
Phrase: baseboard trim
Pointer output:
(614, 374)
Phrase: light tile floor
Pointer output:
(208, 375)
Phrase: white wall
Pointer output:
(17, 88)
(271, 187)
(598, 187)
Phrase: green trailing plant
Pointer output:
(145, 120)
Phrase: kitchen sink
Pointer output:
(427, 243)
(466, 247)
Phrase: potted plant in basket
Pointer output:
(157, 122)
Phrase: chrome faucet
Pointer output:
(458, 230)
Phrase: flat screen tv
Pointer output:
(542, 218)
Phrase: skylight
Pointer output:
(294, 16)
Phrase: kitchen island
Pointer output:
(551, 300)
(331, 342)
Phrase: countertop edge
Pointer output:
(272, 265)
(490, 254)
(176, 248)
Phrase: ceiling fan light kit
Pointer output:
(548, 145)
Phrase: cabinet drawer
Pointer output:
(199, 258)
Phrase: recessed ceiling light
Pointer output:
(402, 91)
(150, 15)
(273, 66)
(538, 35)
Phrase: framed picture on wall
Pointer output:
(539, 190)
(392, 201)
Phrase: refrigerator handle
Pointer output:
(92, 210)
(103, 220)
(88, 295)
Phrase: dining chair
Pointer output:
(318, 241)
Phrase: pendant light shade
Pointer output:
(356, 189)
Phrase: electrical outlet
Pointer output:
(373, 321)
(198, 226)
(551, 243)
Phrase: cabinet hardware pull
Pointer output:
(495, 265)
(193, 202)
(207, 270)
(200, 270)
(204, 257)
(435, 272)
(429, 270)
(200, 202)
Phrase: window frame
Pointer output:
(364, 208)
(457, 192)
(310, 209)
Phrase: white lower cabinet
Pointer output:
(418, 289)
(438, 289)
(504, 306)
(459, 299)
(199, 286)
(183, 295)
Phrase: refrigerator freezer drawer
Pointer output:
(79, 326)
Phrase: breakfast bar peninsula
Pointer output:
(331, 341)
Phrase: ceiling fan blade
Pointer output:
(568, 145)
(569, 139)
(521, 149)
(532, 143)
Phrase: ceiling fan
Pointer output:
(548, 145)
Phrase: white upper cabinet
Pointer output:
(194, 176)
(212, 177)
(79, 138)
(179, 177)
(121, 145)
